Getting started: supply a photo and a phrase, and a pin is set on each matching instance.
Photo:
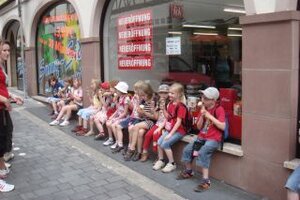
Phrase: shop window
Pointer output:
(197, 43)
(58, 45)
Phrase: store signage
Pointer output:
(135, 40)
(173, 46)
(176, 10)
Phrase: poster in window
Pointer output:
(135, 40)
(173, 46)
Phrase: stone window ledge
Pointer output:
(229, 148)
(292, 164)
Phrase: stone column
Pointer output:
(31, 71)
(90, 63)
(270, 100)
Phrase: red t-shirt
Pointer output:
(208, 130)
(3, 88)
(181, 113)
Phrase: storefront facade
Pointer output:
(198, 43)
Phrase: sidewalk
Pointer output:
(60, 165)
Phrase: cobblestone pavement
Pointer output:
(52, 163)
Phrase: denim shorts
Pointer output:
(293, 182)
(167, 144)
(204, 155)
(53, 99)
(129, 121)
(86, 113)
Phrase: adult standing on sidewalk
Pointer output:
(6, 125)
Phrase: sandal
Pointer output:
(82, 132)
(129, 154)
(205, 185)
(184, 175)
(100, 136)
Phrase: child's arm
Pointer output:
(124, 114)
(215, 121)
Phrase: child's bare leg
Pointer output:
(140, 139)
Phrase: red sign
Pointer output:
(135, 48)
(135, 39)
(176, 11)
(135, 62)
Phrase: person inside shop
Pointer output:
(223, 69)
(293, 185)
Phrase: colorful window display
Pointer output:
(58, 45)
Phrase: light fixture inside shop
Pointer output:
(198, 26)
(175, 32)
(199, 33)
(234, 35)
(234, 10)
(235, 28)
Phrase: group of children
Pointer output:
(143, 117)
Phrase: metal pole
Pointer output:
(22, 50)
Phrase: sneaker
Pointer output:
(129, 154)
(114, 145)
(5, 187)
(54, 123)
(158, 165)
(64, 123)
(184, 175)
(136, 156)
(108, 142)
(169, 168)
(117, 149)
(4, 173)
(8, 156)
(7, 165)
(203, 186)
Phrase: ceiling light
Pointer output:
(234, 35)
(175, 32)
(234, 10)
(199, 33)
(198, 26)
(235, 28)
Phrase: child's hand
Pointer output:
(157, 131)
(168, 137)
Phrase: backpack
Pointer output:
(187, 122)
(225, 133)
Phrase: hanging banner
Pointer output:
(135, 40)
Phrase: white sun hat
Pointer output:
(122, 87)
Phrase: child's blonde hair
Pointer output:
(147, 89)
(179, 88)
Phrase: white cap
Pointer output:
(211, 93)
(122, 87)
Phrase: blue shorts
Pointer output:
(86, 113)
(167, 144)
(129, 121)
(53, 99)
(204, 155)
(293, 182)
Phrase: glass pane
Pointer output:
(59, 48)
(190, 41)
